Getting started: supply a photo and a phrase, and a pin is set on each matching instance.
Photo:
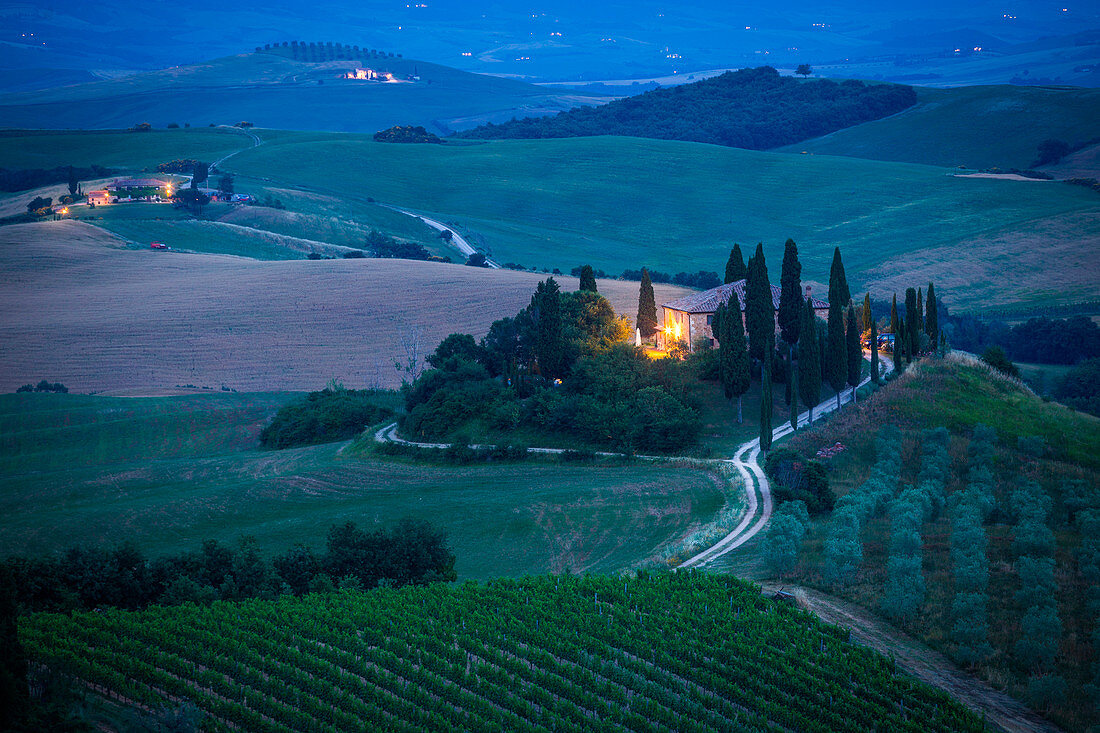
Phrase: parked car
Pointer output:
(159, 245)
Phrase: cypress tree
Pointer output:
(733, 359)
(735, 266)
(854, 352)
(894, 315)
(765, 403)
(809, 366)
(647, 307)
(790, 296)
(874, 351)
(899, 346)
(920, 310)
(74, 184)
(838, 282)
(759, 309)
(931, 317)
(588, 279)
(866, 313)
(912, 335)
(793, 387)
(836, 350)
(549, 343)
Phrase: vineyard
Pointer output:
(684, 651)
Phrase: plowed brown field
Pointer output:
(78, 307)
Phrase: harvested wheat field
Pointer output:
(78, 307)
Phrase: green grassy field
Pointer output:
(132, 151)
(168, 472)
(624, 202)
(976, 126)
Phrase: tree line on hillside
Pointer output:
(752, 108)
(317, 51)
(86, 578)
(23, 179)
(407, 134)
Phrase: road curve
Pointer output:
(457, 240)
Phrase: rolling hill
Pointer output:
(275, 91)
(622, 203)
(78, 304)
(979, 127)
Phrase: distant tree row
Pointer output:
(386, 247)
(752, 108)
(44, 386)
(85, 578)
(27, 178)
(322, 51)
(702, 280)
(1040, 340)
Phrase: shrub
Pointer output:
(322, 417)
(799, 479)
(995, 357)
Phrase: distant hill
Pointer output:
(752, 108)
(979, 127)
(272, 90)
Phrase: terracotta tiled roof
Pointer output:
(709, 300)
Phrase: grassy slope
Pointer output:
(958, 396)
(169, 472)
(116, 149)
(273, 91)
(979, 127)
(624, 202)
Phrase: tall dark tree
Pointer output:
(809, 366)
(759, 309)
(765, 401)
(790, 296)
(588, 279)
(647, 307)
(549, 342)
(199, 174)
(874, 351)
(854, 352)
(920, 310)
(931, 317)
(74, 184)
(733, 359)
(735, 265)
(793, 385)
(838, 281)
(836, 350)
(894, 315)
(865, 313)
(912, 333)
(899, 346)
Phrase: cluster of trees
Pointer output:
(85, 578)
(180, 165)
(702, 280)
(44, 386)
(27, 178)
(918, 332)
(797, 478)
(40, 206)
(386, 247)
(843, 541)
(322, 51)
(334, 413)
(560, 366)
(1040, 340)
(787, 527)
(904, 592)
(751, 108)
(1080, 388)
(1040, 625)
(971, 507)
(407, 134)
(1088, 561)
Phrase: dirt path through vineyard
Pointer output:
(922, 662)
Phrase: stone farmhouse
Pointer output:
(689, 318)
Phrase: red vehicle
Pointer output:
(158, 245)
